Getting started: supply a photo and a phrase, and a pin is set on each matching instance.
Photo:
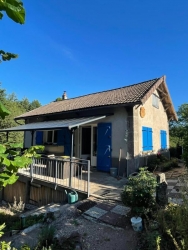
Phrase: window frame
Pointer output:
(155, 101)
(54, 134)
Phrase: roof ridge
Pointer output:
(155, 79)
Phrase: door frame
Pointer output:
(93, 159)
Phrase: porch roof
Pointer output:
(46, 125)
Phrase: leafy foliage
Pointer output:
(178, 129)
(7, 56)
(14, 107)
(11, 160)
(14, 10)
(139, 192)
(185, 150)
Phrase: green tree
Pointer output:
(28, 106)
(58, 99)
(14, 10)
(178, 129)
(16, 108)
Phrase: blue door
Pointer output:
(104, 147)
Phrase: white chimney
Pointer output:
(64, 96)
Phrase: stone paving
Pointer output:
(107, 212)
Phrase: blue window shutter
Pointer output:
(165, 139)
(39, 137)
(145, 138)
(150, 139)
(60, 137)
(64, 139)
(163, 135)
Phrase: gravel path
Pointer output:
(94, 234)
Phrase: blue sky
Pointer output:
(85, 46)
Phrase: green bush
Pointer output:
(139, 192)
(173, 222)
(46, 237)
(173, 163)
(153, 163)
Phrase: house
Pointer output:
(113, 128)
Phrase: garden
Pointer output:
(163, 227)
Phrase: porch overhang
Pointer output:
(55, 125)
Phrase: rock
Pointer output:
(76, 237)
(4, 202)
(161, 190)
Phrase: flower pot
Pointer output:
(136, 223)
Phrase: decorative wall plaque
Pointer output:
(142, 112)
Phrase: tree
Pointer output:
(58, 99)
(179, 129)
(14, 10)
(28, 106)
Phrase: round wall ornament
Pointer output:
(142, 112)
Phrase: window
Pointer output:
(51, 136)
(163, 139)
(147, 142)
(155, 101)
(86, 140)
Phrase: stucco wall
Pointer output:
(154, 118)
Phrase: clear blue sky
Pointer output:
(85, 46)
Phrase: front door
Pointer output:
(104, 147)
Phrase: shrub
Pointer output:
(46, 237)
(153, 163)
(17, 207)
(173, 163)
(139, 192)
(173, 225)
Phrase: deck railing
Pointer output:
(72, 173)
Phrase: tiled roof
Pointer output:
(131, 94)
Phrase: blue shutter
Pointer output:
(145, 138)
(60, 137)
(163, 139)
(39, 137)
(64, 139)
(150, 139)
(67, 142)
